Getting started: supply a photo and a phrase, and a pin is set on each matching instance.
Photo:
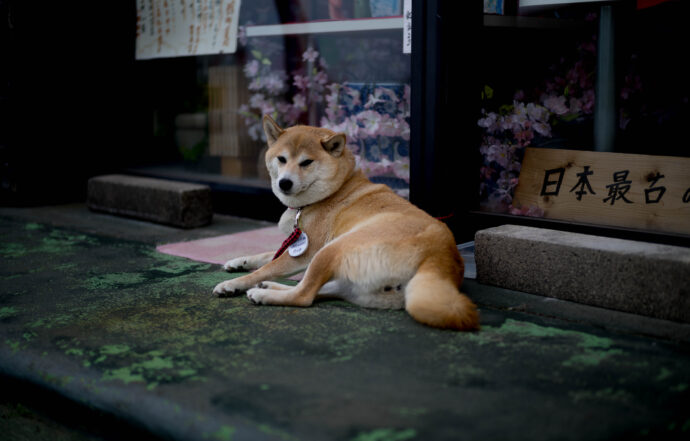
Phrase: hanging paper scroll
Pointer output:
(177, 28)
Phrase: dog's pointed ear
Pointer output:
(334, 144)
(272, 130)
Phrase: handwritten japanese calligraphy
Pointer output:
(637, 191)
(619, 188)
(583, 183)
(654, 193)
(553, 179)
(552, 186)
(175, 28)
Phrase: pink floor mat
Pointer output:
(220, 249)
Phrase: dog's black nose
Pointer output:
(285, 184)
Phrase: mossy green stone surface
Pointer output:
(134, 332)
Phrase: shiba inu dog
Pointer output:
(357, 241)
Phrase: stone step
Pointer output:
(163, 201)
(635, 277)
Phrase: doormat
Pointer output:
(220, 249)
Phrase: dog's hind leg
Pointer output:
(334, 288)
(432, 297)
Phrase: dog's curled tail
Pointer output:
(432, 298)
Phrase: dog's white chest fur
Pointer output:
(287, 221)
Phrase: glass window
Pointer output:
(579, 76)
(335, 64)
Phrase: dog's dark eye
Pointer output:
(306, 162)
(282, 159)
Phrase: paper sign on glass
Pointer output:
(407, 27)
(177, 28)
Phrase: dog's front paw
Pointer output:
(237, 264)
(257, 295)
(227, 289)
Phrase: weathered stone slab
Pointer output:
(174, 203)
(636, 277)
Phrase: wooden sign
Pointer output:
(625, 190)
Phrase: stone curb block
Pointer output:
(635, 277)
(173, 203)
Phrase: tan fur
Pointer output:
(366, 244)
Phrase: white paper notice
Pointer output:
(407, 27)
(177, 28)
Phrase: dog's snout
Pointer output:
(285, 184)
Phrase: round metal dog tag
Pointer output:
(300, 246)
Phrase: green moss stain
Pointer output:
(163, 273)
(60, 242)
(682, 387)
(113, 281)
(120, 362)
(12, 250)
(532, 330)
(7, 312)
(32, 226)
(56, 242)
(224, 433)
(616, 396)
(166, 264)
(663, 374)
(124, 374)
(410, 412)
(593, 349)
(464, 374)
(14, 345)
(116, 349)
(153, 368)
(386, 435)
(364, 330)
(52, 321)
(58, 380)
(265, 428)
(32, 238)
(591, 357)
(157, 363)
(153, 371)
(172, 265)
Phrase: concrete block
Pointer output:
(636, 277)
(174, 203)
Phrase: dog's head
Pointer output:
(306, 164)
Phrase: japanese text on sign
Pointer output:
(616, 190)
(636, 191)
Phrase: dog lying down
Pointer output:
(358, 241)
